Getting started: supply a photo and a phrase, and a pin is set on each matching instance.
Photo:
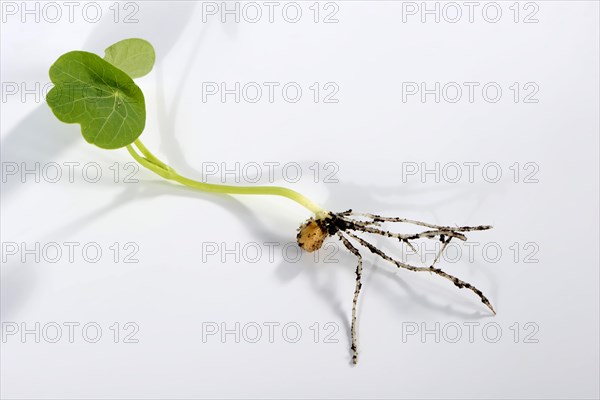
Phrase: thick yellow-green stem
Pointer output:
(151, 162)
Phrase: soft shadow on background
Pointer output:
(41, 138)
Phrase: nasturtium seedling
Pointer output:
(104, 100)
(100, 95)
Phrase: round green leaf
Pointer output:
(104, 100)
(134, 56)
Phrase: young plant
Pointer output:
(100, 95)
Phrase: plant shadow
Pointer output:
(41, 138)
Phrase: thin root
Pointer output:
(354, 250)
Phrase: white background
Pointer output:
(371, 134)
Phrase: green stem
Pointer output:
(151, 162)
